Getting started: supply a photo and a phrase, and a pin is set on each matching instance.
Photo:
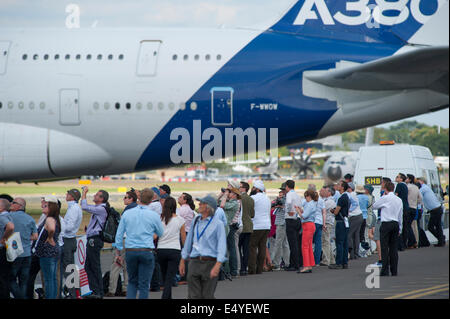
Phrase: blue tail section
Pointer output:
(393, 21)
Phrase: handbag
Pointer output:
(14, 247)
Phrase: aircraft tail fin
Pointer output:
(400, 22)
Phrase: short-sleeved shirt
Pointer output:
(363, 200)
(5, 218)
(344, 204)
(319, 216)
(171, 236)
(25, 225)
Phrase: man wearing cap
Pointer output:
(348, 178)
(281, 245)
(206, 247)
(26, 226)
(261, 228)
(72, 221)
(94, 242)
(229, 203)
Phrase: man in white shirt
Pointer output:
(155, 205)
(261, 228)
(391, 228)
(293, 227)
(72, 222)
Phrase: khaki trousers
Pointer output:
(114, 276)
(327, 255)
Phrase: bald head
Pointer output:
(4, 205)
(18, 204)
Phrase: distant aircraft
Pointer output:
(100, 102)
(338, 165)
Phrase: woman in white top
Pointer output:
(169, 247)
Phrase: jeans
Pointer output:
(169, 260)
(140, 265)
(49, 267)
(317, 240)
(93, 265)
(5, 268)
(20, 271)
(232, 251)
(244, 249)
(35, 267)
(237, 235)
(341, 243)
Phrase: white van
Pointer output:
(389, 159)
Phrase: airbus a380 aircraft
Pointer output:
(89, 101)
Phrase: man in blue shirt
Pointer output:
(434, 207)
(206, 246)
(20, 268)
(142, 227)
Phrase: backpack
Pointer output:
(109, 229)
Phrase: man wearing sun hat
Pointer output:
(261, 228)
(206, 247)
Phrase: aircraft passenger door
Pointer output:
(222, 106)
(148, 58)
(69, 107)
(4, 52)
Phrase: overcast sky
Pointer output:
(157, 13)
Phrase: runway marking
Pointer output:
(432, 292)
(417, 291)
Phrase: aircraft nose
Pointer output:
(334, 173)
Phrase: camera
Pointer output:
(277, 202)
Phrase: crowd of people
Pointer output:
(164, 242)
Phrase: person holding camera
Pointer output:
(280, 244)
(229, 203)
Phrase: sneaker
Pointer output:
(276, 268)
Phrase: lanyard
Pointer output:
(203, 231)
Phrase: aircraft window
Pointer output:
(24, 57)
(88, 56)
(128, 106)
(193, 106)
(41, 105)
(139, 105)
(1, 105)
(174, 57)
(46, 57)
(10, 105)
(96, 105)
(117, 106)
(110, 57)
(150, 105)
(78, 56)
(160, 105)
(186, 57)
(5, 53)
(171, 106)
(182, 106)
(197, 57)
(35, 57)
(99, 57)
(155, 53)
(208, 57)
(67, 56)
(121, 57)
(31, 105)
(56, 56)
(21, 105)
(106, 106)
(219, 57)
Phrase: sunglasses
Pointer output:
(17, 203)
